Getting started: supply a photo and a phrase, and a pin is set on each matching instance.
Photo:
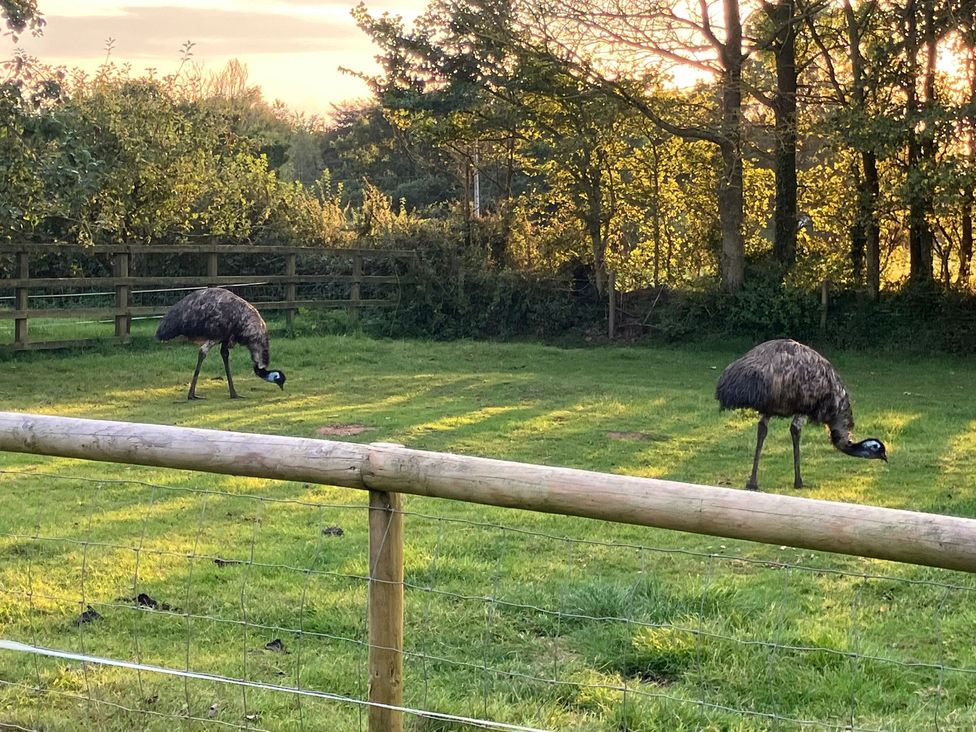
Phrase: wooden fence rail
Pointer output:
(867, 531)
(387, 470)
(122, 283)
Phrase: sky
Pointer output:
(292, 48)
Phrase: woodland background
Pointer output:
(713, 163)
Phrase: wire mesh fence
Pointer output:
(161, 598)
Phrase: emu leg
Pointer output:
(753, 484)
(225, 354)
(204, 350)
(795, 426)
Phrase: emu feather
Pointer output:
(215, 315)
(783, 378)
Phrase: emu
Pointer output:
(783, 378)
(215, 315)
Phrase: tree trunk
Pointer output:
(732, 264)
(476, 182)
(869, 186)
(966, 243)
(920, 146)
(858, 230)
(468, 239)
(499, 243)
(657, 214)
(919, 235)
(783, 16)
(872, 191)
(730, 195)
(598, 246)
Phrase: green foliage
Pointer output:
(459, 294)
(765, 308)
(362, 144)
(612, 176)
(761, 309)
(19, 15)
(909, 320)
(120, 159)
(919, 321)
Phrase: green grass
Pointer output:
(639, 629)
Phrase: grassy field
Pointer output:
(529, 619)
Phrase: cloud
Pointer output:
(397, 7)
(292, 48)
(161, 31)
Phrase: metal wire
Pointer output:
(114, 705)
(134, 292)
(246, 684)
(764, 563)
(497, 681)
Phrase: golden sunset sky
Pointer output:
(292, 48)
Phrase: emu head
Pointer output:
(871, 448)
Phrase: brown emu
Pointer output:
(213, 316)
(783, 378)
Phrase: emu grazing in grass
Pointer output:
(213, 316)
(783, 378)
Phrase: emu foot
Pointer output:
(193, 397)
(752, 486)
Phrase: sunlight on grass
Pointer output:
(448, 424)
(961, 455)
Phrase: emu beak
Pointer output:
(282, 387)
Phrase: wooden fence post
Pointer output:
(385, 610)
(212, 266)
(123, 297)
(824, 301)
(611, 306)
(354, 289)
(20, 300)
(291, 291)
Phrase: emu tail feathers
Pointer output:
(740, 388)
(167, 329)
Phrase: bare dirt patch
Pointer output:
(343, 430)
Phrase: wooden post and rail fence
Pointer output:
(388, 470)
(123, 282)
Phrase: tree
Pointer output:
(361, 145)
(856, 89)
(967, 128)
(21, 15)
(784, 24)
(471, 62)
(114, 158)
(608, 35)
(919, 131)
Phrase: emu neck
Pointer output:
(841, 425)
(260, 355)
(844, 443)
(841, 439)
